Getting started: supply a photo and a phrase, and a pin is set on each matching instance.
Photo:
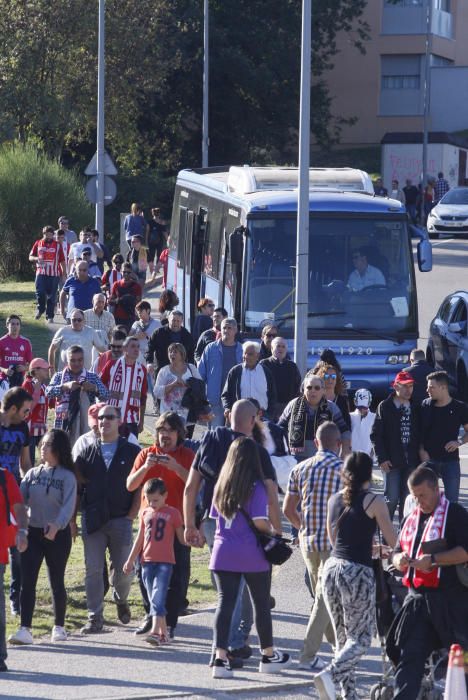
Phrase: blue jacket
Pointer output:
(211, 367)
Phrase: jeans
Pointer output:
(15, 582)
(115, 535)
(411, 209)
(46, 294)
(178, 584)
(396, 489)
(56, 554)
(218, 419)
(449, 472)
(228, 585)
(156, 577)
(3, 649)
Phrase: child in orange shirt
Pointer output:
(159, 524)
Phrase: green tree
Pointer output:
(154, 77)
(34, 192)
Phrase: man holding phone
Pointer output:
(432, 542)
(169, 460)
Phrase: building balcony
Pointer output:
(412, 16)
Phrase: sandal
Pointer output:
(153, 639)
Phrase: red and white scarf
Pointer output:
(433, 530)
(125, 386)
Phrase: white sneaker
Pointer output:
(59, 634)
(325, 686)
(22, 636)
(316, 664)
(274, 663)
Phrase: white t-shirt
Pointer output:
(76, 250)
(360, 432)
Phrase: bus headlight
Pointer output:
(397, 360)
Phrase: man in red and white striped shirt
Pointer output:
(48, 255)
(126, 379)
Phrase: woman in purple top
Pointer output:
(236, 553)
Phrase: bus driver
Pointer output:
(364, 275)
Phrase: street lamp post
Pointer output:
(302, 250)
(99, 219)
(427, 90)
(206, 68)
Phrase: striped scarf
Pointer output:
(433, 530)
(298, 422)
(125, 385)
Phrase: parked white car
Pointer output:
(450, 215)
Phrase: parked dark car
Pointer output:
(447, 347)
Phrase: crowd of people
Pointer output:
(265, 430)
(418, 200)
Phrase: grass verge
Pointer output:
(18, 297)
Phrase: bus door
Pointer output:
(186, 243)
(195, 256)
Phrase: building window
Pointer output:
(400, 82)
(443, 5)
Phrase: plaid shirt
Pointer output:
(105, 322)
(54, 391)
(314, 481)
(441, 187)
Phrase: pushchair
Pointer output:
(433, 683)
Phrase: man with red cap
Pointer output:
(395, 437)
(35, 384)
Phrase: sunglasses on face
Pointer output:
(327, 375)
(316, 387)
(271, 335)
(77, 320)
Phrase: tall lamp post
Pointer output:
(302, 250)
(206, 73)
(99, 218)
(427, 89)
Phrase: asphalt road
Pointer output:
(450, 263)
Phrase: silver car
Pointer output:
(450, 215)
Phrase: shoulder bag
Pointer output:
(275, 548)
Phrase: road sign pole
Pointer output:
(302, 251)
(99, 220)
(206, 83)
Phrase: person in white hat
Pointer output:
(362, 420)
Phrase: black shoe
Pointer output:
(171, 632)
(93, 626)
(272, 603)
(3, 666)
(38, 315)
(123, 613)
(145, 625)
(49, 319)
(222, 669)
(234, 661)
(244, 652)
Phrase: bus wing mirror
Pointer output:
(236, 245)
(424, 255)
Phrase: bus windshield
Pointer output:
(361, 276)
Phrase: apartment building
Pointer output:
(384, 89)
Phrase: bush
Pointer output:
(34, 192)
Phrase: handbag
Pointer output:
(275, 548)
